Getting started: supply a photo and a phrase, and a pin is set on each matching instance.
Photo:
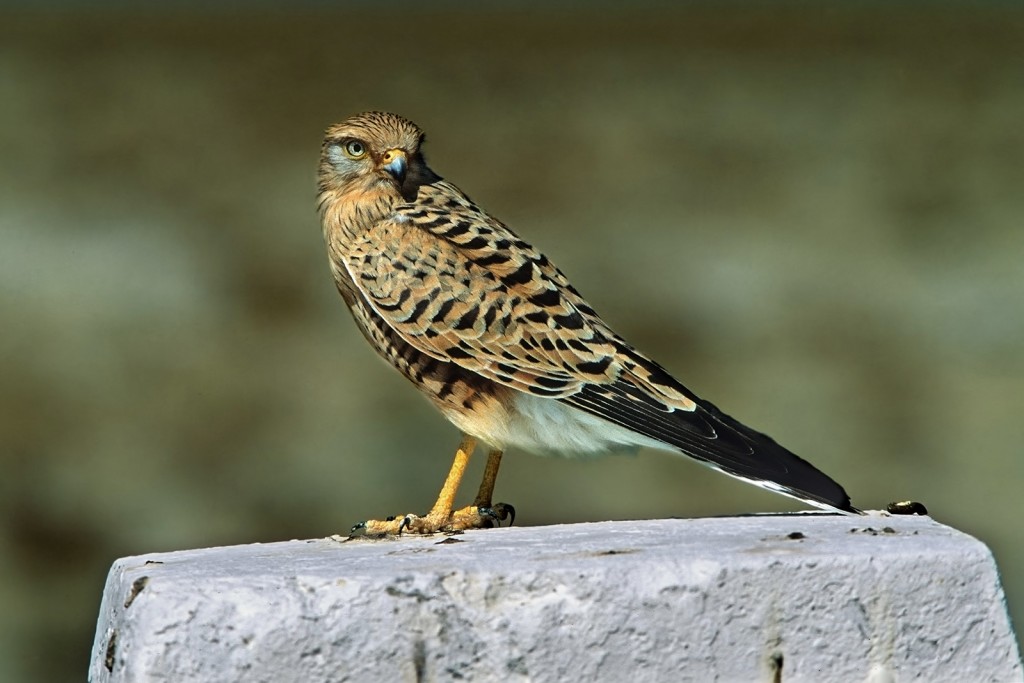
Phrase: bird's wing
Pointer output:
(459, 286)
(477, 294)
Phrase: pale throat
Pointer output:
(347, 214)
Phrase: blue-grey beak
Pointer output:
(396, 162)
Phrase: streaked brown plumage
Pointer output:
(496, 337)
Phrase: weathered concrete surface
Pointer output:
(827, 598)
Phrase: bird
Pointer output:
(497, 338)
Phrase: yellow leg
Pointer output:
(482, 514)
(486, 492)
(443, 507)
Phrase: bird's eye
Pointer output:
(355, 149)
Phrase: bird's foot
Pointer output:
(482, 517)
(470, 517)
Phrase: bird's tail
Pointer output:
(711, 437)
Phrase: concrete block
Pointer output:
(765, 598)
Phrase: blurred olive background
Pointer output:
(813, 215)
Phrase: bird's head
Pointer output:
(374, 152)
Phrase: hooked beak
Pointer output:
(396, 162)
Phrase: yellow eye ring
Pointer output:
(354, 149)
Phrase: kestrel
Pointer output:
(498, 339)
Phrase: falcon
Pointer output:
(495, 336)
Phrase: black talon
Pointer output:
(357, 528)
(505, 510)
(499, 513)
(406, 523)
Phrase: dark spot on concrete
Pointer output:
(137, 586)
(111, 653)
(449, 540)
(775, 665)
(419, 660)
(888, 530)
(414, 593)
(603, 553)
(795, 536)
(517, 666)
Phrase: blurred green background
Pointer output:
(813, 215)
